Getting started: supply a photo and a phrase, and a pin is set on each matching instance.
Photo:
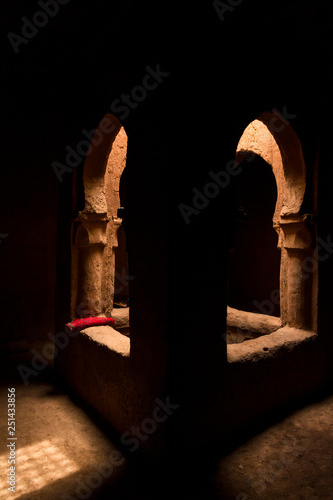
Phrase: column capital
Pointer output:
(296, 234)
(91, 229)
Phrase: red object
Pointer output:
(80, 324)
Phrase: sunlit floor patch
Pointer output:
(36, 465)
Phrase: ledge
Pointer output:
(251, 323)
(121, 317)
(108, 337)
(268, 346)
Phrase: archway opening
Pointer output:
(268, 288)
(100, 278)
(254, 263)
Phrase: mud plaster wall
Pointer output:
(28, 227)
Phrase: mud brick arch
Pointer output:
(95, 230)
(272, 138)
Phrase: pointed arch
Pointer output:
(272, 138)
(96, 228)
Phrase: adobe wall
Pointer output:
(186, 128)
(29, 202)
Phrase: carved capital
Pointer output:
(296, 234)
(91, 229)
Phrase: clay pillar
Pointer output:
(91, 241)
(295, 288)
